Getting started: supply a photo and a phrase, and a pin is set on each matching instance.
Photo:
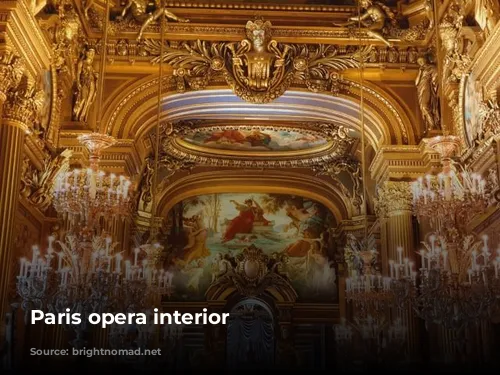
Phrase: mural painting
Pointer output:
(210, 229)
(256, 140)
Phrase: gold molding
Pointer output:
(127, 110)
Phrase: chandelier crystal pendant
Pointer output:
(85, 195)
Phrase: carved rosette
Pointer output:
(393, 198)
(11, 72)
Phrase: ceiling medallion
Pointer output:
(240, 144)
(259, 69)
(259, 141)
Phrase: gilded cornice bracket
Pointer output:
(403, 162)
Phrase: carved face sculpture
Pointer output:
(365, 3)
(90, 54)
(70, 29)
(259, 33)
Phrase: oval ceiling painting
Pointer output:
(253, 140)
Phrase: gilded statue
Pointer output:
(375, 18)
(138, 9)
(259, 62)
(87, 4)
(36, 6)
(429, 12)
(86, 86)
(487, 14)
(427, 83)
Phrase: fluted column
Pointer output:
(11, 150)
(395, 211)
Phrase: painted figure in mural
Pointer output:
(197, 235)
(428, 96)
(217, 228)
(86, 86)
(256, 138)
(310, 228)
(250, 213)
(195, 272)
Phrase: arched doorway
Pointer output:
(250, 335)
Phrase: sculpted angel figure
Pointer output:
(373, 19)
(138, 10)
(86, 86)
(428, 97)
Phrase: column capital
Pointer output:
(22, 107)
(393, 198)
(11, 71)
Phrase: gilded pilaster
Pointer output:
(19, 110)
(394, 207)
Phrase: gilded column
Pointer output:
(11, 149)
(395, 209)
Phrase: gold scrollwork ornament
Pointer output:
(258, 69)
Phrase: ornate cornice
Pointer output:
(21, 31)
(403, 162)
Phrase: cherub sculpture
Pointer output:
(374, 19)
(138, 10)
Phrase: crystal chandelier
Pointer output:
(458, 276)
(86, 195)
(366, 288)
(87, 275)
(452, 196)
(373, 335)
(457, 283)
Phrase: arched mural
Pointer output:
(211, 234)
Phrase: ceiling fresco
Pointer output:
(256, 140)
(208, 230)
